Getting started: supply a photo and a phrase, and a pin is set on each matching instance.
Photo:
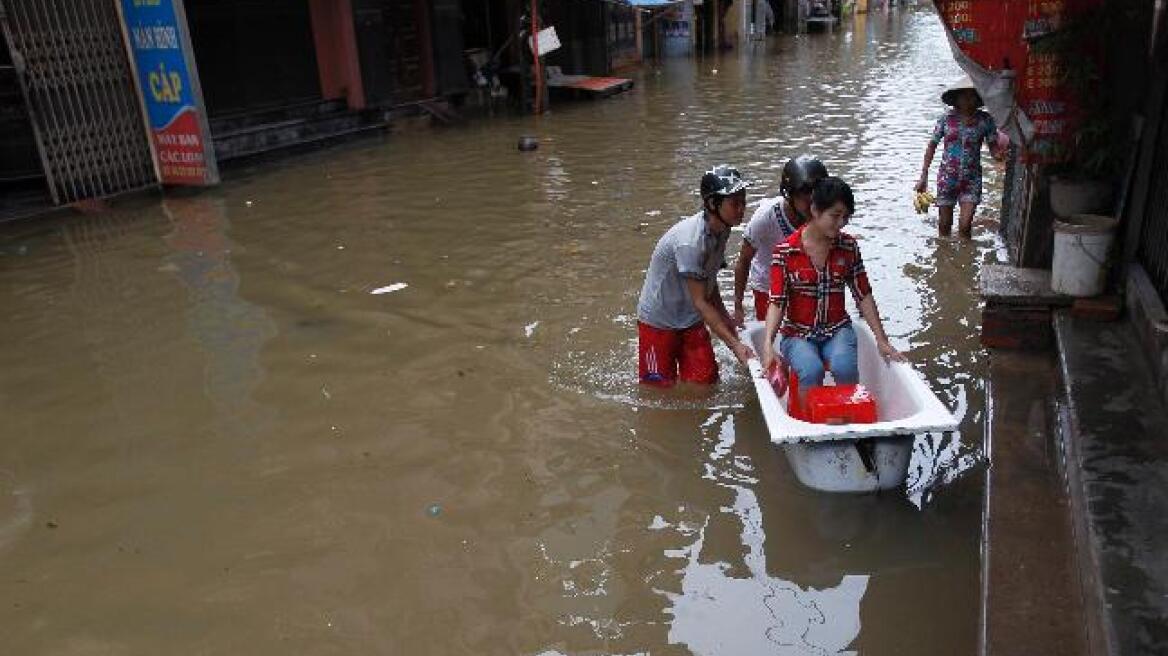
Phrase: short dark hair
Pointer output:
(831, 190)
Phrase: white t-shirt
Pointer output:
(767, 226)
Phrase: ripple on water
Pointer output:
(610, 375)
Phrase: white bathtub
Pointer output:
(854, 457)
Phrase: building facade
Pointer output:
(273, 73)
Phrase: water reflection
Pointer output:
(725, 608)
(227, 328)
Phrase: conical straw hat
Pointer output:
(949, 97)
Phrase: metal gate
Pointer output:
(1152, 248)
(71, 61)
(407, 47)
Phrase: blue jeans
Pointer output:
(807, 358)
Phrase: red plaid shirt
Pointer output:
(812, 301)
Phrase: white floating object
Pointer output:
(529, 329)
(397, 286)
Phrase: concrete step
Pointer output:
(1115, 438)
(19, 201)
(232, 121)
(258, 139)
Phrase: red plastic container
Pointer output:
(793, 407)
(777, 377)
(840, 404)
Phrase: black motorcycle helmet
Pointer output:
(799, 173)
(722, 181)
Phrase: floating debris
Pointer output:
(397, 286)
(529, 329)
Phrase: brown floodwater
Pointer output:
(380, 399)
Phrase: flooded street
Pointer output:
(380, 399)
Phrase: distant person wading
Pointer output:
(960, 132)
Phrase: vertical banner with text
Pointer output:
(1003, 34)
(168, 82)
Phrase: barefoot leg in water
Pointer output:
(944, 220)
(965, 222)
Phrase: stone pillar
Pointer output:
(336, 51)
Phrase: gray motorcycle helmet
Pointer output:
(799, 173)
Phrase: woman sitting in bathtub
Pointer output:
(808, 274)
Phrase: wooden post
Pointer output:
(657, 42)
(426, 53)
(639, 35)
(536, 102)
(487, 18)
(717, 26)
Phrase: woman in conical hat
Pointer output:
(949, 96)
(961, 132)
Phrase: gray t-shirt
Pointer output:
(687, 250)
(767, 227)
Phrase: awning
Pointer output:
(652, 3)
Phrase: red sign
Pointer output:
(1002, 34)
(181, 149)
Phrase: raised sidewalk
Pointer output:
(1114, 430)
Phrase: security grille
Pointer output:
(73, 69)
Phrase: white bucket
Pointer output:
(1081, 246)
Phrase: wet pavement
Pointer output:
(380, 399)
(1112, 424)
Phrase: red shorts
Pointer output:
(663, 353)
(762, 301)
